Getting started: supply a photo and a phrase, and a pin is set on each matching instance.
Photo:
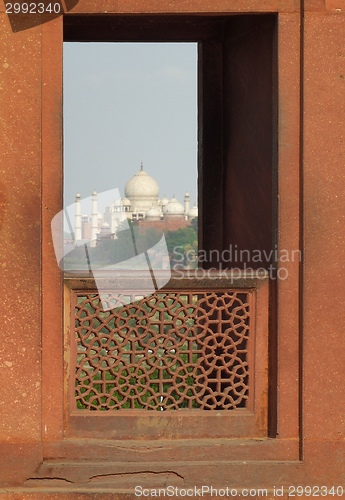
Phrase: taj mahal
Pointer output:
(141, 204)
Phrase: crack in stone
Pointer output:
(139, 473)
(49, 479)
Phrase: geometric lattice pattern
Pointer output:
(163, 352)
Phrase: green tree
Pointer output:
(178, 243)
(194, 223)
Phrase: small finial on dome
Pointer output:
(141, 166)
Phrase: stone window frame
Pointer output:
(285, 393)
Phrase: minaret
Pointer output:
(94, 220)
(77, 230)
(186, 205)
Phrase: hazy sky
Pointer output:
(125, 103)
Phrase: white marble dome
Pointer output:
(141, 184)
(153, 213)
(126, 202)
(173, 209)
(142, 191)
(193, 212)
(164, 201)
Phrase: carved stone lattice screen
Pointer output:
(167, 351)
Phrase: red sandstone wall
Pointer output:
(167, 224)
(31, 423)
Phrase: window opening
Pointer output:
(125, 354)
(130, 122)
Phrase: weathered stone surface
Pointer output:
(36, 462)
(20, 220)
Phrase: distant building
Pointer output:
(141, 204)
